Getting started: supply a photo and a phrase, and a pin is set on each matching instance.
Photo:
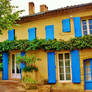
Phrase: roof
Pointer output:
(55, 10)
(67, 7)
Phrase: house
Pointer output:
(67, 69)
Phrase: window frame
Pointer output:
(64, 68)
(88, 30)
(14, 53)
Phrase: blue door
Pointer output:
(88, 74)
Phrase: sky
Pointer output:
(52, 4)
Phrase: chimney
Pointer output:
(31, 8)
(43, 8)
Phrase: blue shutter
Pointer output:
(11, 35)
(77, 27)
(31, 33)
(75, 66)
(66, 25)
(49, 32)
(5, 66)
(51, 67)
(22, 64)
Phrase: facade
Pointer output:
(65, 69)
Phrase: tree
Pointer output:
(7, 16)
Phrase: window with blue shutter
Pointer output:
(51, 67)
(22, 64)
(49, 32)
(5, 66)
(66, 25)
(75, 66)
(11, 35)
(77, 27)
(32, 33)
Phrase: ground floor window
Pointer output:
(87, 70)
(64, 67)
(15, 67)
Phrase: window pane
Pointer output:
(13, 63)
(90, 31)
(61, 70)
(90, 21)
(68, 77)
(84, 22)
(17, 68)
(61, 67)
(61, 56)
(84, 27)
(85, 32)
(67, 62)
(68, 70)
(61, 63)
(87, 70)
(90, 26)
(66, 55)
(61, 76)
(17, 65)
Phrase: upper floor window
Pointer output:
(64, 67)
(11, 35)
(49, 32)
(32, 33)
(87, 26)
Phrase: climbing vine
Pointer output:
(25, 45)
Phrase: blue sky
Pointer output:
(52, 4)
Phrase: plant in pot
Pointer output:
(28, 70)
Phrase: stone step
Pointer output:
(11, 86)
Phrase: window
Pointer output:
(87, 26)
(16, 71)
(87, 70)
(66, 25)
(49, 32)
(64, 67)
(32, 33)
(11, 35)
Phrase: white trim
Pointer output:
(14, 75)
(65, 81)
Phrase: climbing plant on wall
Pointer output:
(25, 45)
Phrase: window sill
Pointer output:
(70, 81)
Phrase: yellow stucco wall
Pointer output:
(21, 31)
(42, 74)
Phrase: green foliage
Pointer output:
(30, 68)
(1, 67)
(25, 45)
(29, 83)
(26, 59)
(29, 61)
(29, 80)
(7, 16)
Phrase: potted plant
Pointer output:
(28, 72)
